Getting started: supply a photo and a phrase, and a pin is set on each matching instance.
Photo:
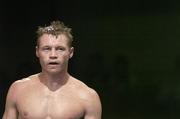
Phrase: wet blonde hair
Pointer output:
(55, 28)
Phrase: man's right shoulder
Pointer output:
(14, 90)
(21, 83)
(17, 85)
(18, 88)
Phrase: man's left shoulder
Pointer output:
(89, 98)
(85, 92)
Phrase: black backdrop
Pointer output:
(128, 51)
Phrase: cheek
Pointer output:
(64, 56)
(42, 59)
(42, 62)
(67, 57)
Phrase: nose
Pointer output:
(53, 54)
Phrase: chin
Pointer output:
(54, 71)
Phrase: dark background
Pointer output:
(127, 50)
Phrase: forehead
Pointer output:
(48, 39)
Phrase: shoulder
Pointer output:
(90, 100)
(14, 90)
(85, 92)
(18, 85)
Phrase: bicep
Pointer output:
(10, 113)
(93, 107)
(10, 106)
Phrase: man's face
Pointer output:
(54, 53)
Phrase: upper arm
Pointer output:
(93, 106)
(10, 107)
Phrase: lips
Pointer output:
(53, 63)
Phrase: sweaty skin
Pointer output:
(52, 93)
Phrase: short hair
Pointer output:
(55, 28)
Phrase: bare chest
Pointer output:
(39, 105)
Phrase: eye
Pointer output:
(46, 48)
(60, 49)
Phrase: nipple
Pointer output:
(25, 114)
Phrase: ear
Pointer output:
(37, 53)
(71, 52)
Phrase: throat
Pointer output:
(54, 82)
(53, 86)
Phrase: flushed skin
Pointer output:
(53, 93)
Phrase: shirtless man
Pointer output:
(53, 93)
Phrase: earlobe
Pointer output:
(71, 52)
(37, 54)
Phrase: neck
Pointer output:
(53, 81)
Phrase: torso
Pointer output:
(36, 101)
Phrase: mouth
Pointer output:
(53, 63)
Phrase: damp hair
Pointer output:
(55, 28)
